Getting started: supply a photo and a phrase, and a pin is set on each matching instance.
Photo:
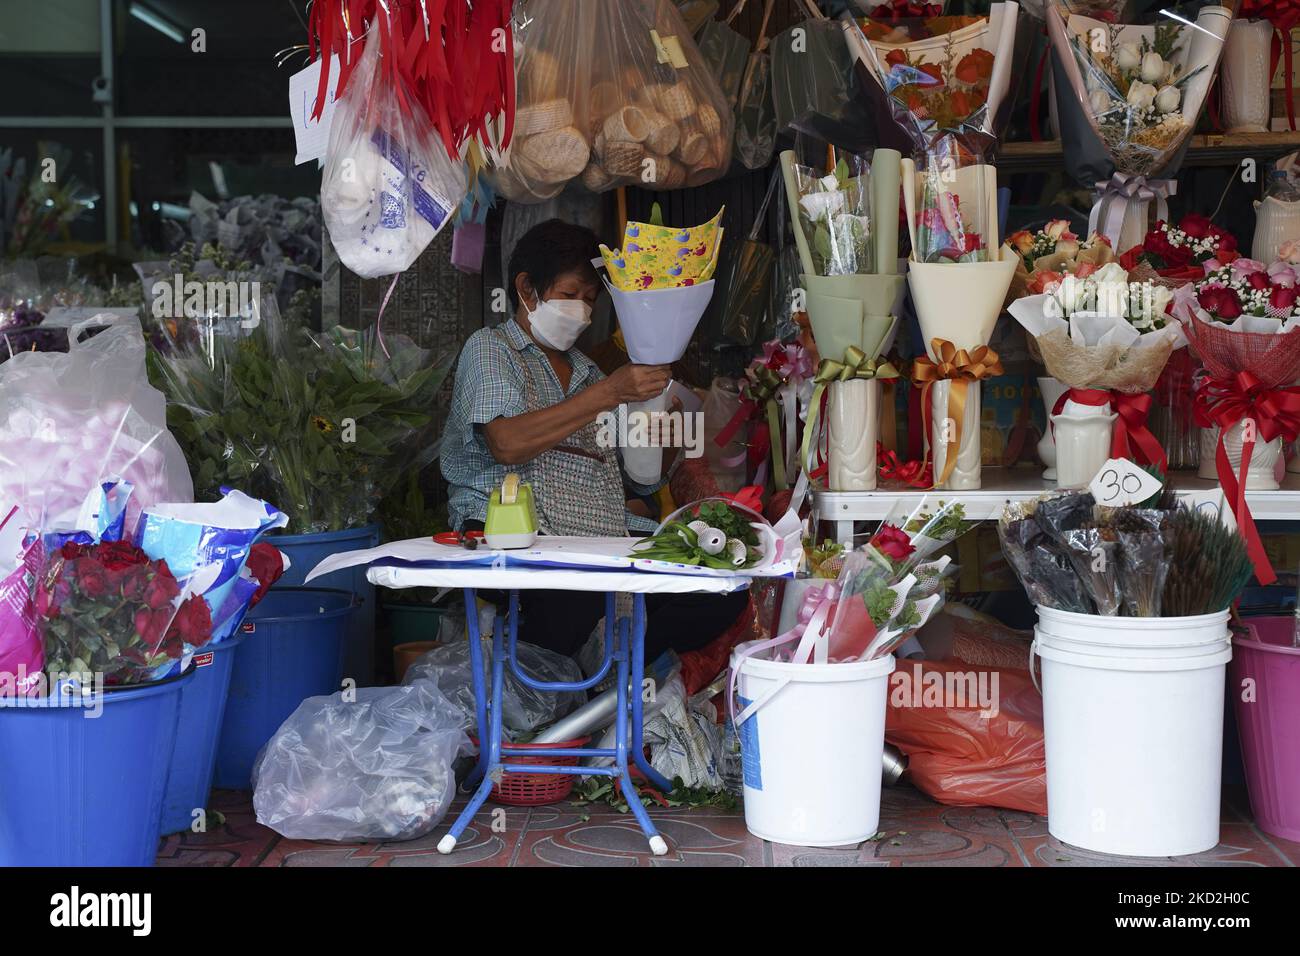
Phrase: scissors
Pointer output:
(469, 540)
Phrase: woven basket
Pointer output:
(675, 102)
(596, 179)
(664, 135)
(623, 159)
(694, 149)
(543, 117)
(554, 157)
(627, 125)
(706, 117)
(539, 76)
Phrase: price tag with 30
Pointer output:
(1120, 482)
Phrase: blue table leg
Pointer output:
(656, 779)
(630, 794)
(480, 697)
(489, 742)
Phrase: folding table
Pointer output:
(624, 647)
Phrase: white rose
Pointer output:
(1110, 273)
(1100, 102)
(1128, 56)
(1159, 297)
(1072, 294)
(1153, 67)
(1141, 95)
(821, 206)
(1168, 98)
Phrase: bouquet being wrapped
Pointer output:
(722, 534)
(1141, 88)
(1108, 340)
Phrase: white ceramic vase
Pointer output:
(1276, 222)
(854, 423)
(1262, 473)
(1245, 74)
(966, 473)
(1051, 390)
(1083, 434)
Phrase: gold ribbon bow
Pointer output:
(961, 367)
(855, 365)
(764, 385)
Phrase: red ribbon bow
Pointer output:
(918, 474)
(1275, 413)
(1130, 438)
(751, 497)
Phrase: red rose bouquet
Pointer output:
(108, 609)
(1177, 252)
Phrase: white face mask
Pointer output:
(557, 323)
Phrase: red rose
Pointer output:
(160, 591)
(1258, 280)
(1220, 302)
(896, 57)
(892, 542)
(975, 66)
(1167, 255)
(92, 580)
(1282, 297)
(119, 555)
(71, 550)
(934, 71)
(1196, 225)
(192, 624)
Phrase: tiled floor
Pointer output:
(915, 832)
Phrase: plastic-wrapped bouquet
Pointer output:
(713, 533)
(835, 216)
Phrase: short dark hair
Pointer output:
(549, 250)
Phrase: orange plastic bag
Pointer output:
(958, 757)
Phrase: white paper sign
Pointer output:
(1120, 483)
(312, 136)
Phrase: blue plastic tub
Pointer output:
(293, 649)
(85, 790)
(203, 704)
(305, 551)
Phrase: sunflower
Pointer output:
(322, 424)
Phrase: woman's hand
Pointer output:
(638, 383)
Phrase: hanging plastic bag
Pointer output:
(70, 420)
(388, 186)
(696, 13)
(523, 709)
(755, 117)
(616, 93)
(815, 89)
(375, 768)
(738, 314)
(726, 51)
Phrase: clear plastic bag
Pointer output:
(618, 94)
(523, 709)
(726, 51)
(815, 89)
(377, 768)
(388, 186)
(755, 114)
(68, 420)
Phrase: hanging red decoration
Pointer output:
(456, 58)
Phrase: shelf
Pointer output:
(1002, 485)
(1213, 149)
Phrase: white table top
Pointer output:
(554, 579)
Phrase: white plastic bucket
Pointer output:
(812, 749)
(1133, 730)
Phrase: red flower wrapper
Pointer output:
(1248, 383)
(266, 563)
(109, 610)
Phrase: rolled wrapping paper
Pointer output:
(963, 369)
(886, 176)
(788, 161)
(909, 198)
(1204, 47)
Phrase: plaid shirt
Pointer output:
(489, 385)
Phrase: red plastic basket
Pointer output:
(537, 789)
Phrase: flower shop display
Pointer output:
(73, 419)
(1173, 254)
(845, 227)
(1108, 341)
(661, 281)
(615, 96)
(1142, 89)
(389, 184)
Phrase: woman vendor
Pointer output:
(527, 401)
